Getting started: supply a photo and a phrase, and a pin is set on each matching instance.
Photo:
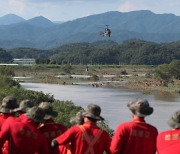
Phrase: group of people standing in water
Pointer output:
(29, 129)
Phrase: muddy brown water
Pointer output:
(113, 101)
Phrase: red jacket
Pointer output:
(168, 142)
(79, 144)
(5, 148)
(3, 118)
(51, 130)
(136, 137)
(23, 137)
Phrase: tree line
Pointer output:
(130, 52)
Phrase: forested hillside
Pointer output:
(129, 52)
(104, 52)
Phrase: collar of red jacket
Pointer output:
(90, 124)
(139, 119)
(6, 115)
(49, 121)
(25, 119)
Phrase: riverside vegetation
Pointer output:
(147, 78)
(65, 109)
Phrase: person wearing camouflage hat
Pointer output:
(48, 109)
(51, 129)
(136, 137)
(23, 135)
(93, 111)
(169, 141)
(24, 106)
(36, 114)
(9, 103)
(140, 107)
(78, 119)
(88, 137)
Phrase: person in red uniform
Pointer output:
(86, 138)
(23, 107)
(9, 103)
(135, 137)
(168, 142)
(51, 129)
(23, 135)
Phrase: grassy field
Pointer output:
(134, 77)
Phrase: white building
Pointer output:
(24, 61)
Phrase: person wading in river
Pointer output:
(88, 137)
(135, 137)
(169, 141)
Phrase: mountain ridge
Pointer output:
(44, 34)
(10, 19)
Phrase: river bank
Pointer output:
(133, 77)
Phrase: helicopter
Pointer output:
(107, 32)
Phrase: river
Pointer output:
(113, 101)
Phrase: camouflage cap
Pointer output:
(24, 105)
(36, 114)
(140, 107)
(9, 103)
(48, 109)
(93, 111)
(78, 119)
(174, 121)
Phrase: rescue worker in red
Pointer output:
(135, 137)
(168, 142)
(87, 138)
(23, 107)
(23, 135)
(51, 129)
(9, 103)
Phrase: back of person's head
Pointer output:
(9, 103)
(48, 109)
(78, 119)
(174, 121)
(24, 106)
(93, 111)
(36, 114)
(140, 107)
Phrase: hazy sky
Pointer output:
(64, 10)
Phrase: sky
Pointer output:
(65, 10)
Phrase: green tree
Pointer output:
(7, 71)
(5, 57)
(174, 69)
(42, 61)
(163, 72)
(168, 71)
(67, 68)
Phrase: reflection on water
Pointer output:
(112, 101)
(165, 96)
